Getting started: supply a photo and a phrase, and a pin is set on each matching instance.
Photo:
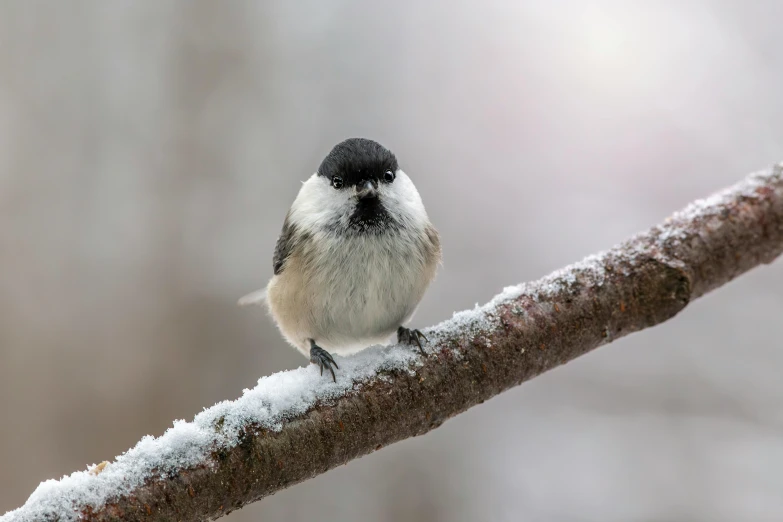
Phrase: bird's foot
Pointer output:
(408, 336)
(322, 358)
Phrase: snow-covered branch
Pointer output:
(295, 424)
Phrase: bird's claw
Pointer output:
(408, 336)
(322, 358)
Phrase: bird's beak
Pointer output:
(366, 189)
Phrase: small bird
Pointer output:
(356, 254)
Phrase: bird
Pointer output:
(355, 256)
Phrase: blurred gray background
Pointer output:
(149, 151)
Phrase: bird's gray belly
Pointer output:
(366, 295)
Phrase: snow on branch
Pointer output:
(296, 424)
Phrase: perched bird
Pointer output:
(356, 254)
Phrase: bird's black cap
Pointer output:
(356, 160)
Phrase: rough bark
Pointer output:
(636, 285)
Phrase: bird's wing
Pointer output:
(285, 244)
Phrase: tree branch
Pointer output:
(295, 425)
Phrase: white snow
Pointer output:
(285, 395)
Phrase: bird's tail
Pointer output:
(253, 298)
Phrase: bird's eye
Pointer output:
(388, 176)
(337, 182)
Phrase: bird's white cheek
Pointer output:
(404, 201)
(319, 204)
